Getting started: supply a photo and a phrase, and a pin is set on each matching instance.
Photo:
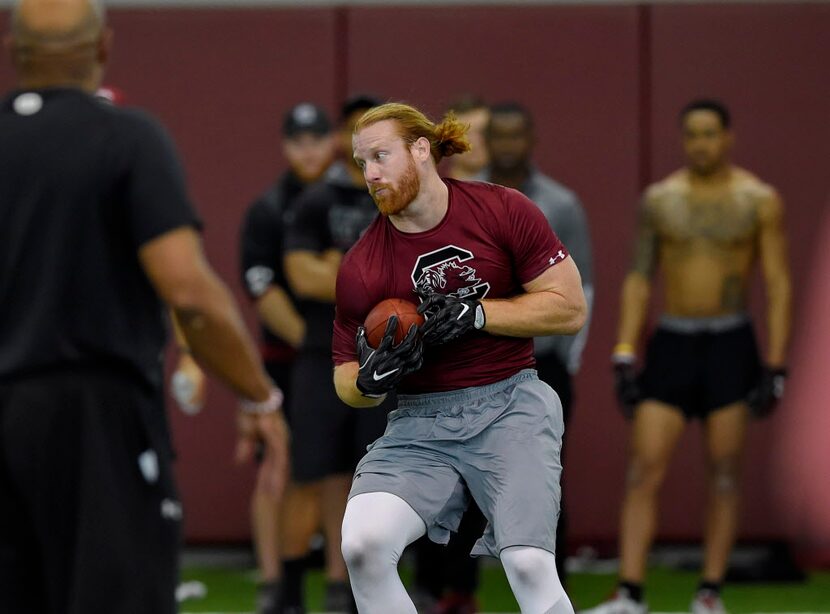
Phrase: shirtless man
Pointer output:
(704, 226)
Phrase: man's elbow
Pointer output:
(577, 316)
(189, 294)
(342, 390)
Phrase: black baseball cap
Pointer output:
(305, 117)
(358, 102)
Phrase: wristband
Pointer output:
(623, 354)
(624, 349)
(268, 406)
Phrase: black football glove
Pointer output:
(626, 384)
(448, 317)
(763, 399)
(383, 368)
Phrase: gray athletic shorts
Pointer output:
(498, 443)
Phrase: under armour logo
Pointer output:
(560, 255)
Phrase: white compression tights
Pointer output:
(377, 526)
(535, 583)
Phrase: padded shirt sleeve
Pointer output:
(261, 243)
(530, 240)
(308, 229)
(156, 196)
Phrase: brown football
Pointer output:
(375, 323)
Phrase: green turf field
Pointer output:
(668, 591)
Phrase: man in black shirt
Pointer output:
(96, 236)
(279, 527)
(328, 437)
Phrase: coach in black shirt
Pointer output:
(96, 236)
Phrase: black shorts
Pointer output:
(280, 372)
(701, 371)
(553, 372)
(83, 528)
(327, 436)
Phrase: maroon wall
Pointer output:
(604, 83)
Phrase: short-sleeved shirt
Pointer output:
(330, 214)
(491, 241)
(83, 185)
(262, 246)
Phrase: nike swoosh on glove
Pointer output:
(380, 370)
(448, 317)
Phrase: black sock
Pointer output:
(293, 576)
(634, 591)
(269, 596)
(713, 587)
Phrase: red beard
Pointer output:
(394, 200)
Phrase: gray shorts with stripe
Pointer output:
(498, 443)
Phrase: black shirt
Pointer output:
(330, 214)
(262, 246)
(83, 185)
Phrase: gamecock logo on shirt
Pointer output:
(444, 270)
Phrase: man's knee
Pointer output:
(645, 474)
(724, 475)
(531, 567)
(363, 548)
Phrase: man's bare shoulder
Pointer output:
(753, 186)
(670, 187)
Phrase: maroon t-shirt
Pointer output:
(491, 241)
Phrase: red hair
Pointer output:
(445, 139)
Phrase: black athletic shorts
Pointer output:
(327, 436)
(89, 515)
(553, 372)
(700, 371)
(280, 373)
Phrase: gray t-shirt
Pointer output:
(566, 217)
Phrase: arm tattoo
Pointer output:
(645, 246)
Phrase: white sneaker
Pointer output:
(707, 602)
(620, 603)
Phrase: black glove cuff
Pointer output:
(367, 394)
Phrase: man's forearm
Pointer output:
(313, 275)
(535, 314)
(218, 339)
(779, 319)
(345, 382)
(280, 316)
(633, 309)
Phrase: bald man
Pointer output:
(98, 239)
